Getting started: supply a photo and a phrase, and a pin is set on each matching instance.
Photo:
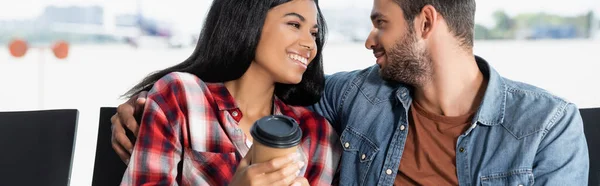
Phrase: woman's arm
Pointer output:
(158, 148)
(162, 140)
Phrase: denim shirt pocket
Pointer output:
(361, 151)
(520, 177)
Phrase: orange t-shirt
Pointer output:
(429, 156)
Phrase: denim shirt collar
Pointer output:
(403, 93)
(492, 109)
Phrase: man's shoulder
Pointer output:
(533, 107)
(354, 76)
(367, 79)
(520, 91)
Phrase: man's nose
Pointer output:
(371, 41)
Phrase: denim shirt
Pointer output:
(520, 135)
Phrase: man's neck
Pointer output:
(253, 92)
(456, 87)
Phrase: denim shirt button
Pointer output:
(388, 172)
(363, 157)
(520, 184)
(346, 145)
(402, 127)
(461, 149)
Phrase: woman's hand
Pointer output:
(282, 171)
(301, 181)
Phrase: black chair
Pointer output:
(108, 167)
(37, 147)
(591, 125)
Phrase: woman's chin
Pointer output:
(292, 80)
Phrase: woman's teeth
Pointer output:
(298, 58)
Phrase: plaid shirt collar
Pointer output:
(226, 102)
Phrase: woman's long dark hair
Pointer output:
(227, 46)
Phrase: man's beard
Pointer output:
(407, 63)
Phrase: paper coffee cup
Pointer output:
(274, 136)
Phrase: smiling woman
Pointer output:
(229, 44)
(254, 58)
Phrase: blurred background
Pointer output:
(85, 54)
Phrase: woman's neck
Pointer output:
(253, 92)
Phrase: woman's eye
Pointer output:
(294, 24)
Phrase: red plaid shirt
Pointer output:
(189, 136)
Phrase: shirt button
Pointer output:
(404, 94)
(402, 127)
(520, 184)
(389, 171)
(461, 149)
(346, 144)
(363, 157)
(234, 113)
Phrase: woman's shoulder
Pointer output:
(180, 84)
(308, 117)
(180, 90)
(178, 79)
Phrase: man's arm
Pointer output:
(562, 158)
(334, 95)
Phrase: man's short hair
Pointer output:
(459, 15)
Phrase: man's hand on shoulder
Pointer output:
(123, 120)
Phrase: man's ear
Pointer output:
(426, 21)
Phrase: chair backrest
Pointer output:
(37, 147)
(108, 167)
(591, 125)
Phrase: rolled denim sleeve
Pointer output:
(334, 94)
(562, 158)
